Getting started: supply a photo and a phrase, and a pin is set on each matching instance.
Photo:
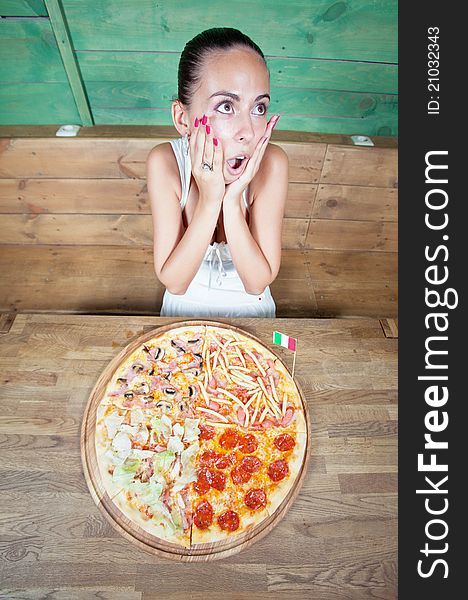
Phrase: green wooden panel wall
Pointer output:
(333, 64)
(22, 8)
(34, 88)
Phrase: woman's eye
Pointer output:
(223, 106)
(263, 109)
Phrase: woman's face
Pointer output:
(234, 95)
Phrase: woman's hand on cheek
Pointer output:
(205, 149)
(235, 189)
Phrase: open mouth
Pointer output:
(237, 164)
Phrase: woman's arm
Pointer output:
(178, 252)
(256, 248)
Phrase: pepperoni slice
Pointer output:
(240, 475)
(203, 516)
(278, 470)
(284, 442)
(201, 487)
(255, 499)
(229, 439)
(248, 444)
(229, 520)
(218, 480)
(207, 432)
(224, 461)
(203, 483)
(251, 464)
(208, 458)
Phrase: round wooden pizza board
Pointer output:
(129, 529)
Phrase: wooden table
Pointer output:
(338, 540)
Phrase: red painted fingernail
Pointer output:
(276, 121)
(215, 141)
(265, 140)
(208, 129)
(204, 120)
(197, 122)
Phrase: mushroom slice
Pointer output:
(175, 345)
(170, 391)
(192, 371)
(141, 388)
(158, 353)
(164, 406)
(183, 405)
(128, 395)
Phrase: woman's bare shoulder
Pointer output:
(160, 155)
(276, 157)
(161, 167)
(274, 166)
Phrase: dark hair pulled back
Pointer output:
(197, 49)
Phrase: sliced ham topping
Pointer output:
(288, 416)
(170, 367)
(133, 371)
(119, 392)
(241, 416)
(220, 380)
(214, 405)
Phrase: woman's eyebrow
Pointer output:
(236, 97)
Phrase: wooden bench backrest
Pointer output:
(92, 191)
(76, 231)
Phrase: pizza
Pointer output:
(200, 435)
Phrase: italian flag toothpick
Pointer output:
(280, 339)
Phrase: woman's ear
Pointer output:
(180, 117)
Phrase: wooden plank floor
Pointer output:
(337, 542)
(121, 280)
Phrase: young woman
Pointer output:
(218, 192)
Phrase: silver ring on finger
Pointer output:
(206, 166)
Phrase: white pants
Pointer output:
(217, 291)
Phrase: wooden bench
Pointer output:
(76, 234)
